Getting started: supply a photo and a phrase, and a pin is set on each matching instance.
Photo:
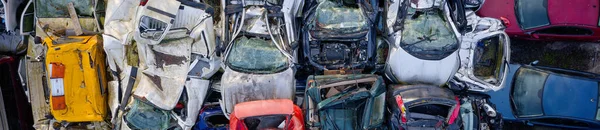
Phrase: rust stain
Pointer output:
(166, 59)
(156, 80)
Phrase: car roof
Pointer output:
(571, 94)
(582, 12)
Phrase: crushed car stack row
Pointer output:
(261, 64)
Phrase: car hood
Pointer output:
(502, 97)
(580, 94)
(409, 69)
(581, 12)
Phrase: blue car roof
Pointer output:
(568, 96)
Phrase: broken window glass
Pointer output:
(427, 35)
(256, 55)
(527, 93)
(488, 59)
(145, 116)
(58, 8)
(333, 16)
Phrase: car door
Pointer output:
(484, 56)
(27, 19)
(156, 19)
(99, 14)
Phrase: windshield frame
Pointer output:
(519, 16)
(512, 97)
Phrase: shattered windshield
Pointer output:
(58, 8)
(488, 59)
(256, 55)
(145, 116)
(427, 35)
(333, 16)
(527, 92)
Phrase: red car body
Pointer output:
(566, 19)
(264, 108)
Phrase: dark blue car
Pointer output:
(547, 96)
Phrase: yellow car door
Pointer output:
(75, 67)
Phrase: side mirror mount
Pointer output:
(534, 63)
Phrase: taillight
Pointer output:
(179, 106)
(454, 112)
(505, 21)
(57, 85)
(143, 2)
(402, 108)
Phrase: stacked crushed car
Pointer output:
(262, 64)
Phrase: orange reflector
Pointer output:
(57, 74)
(58, 103)
(57, 70)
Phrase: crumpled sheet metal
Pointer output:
(164, 70)
(196, 91)
(482, 28)
(242, 87)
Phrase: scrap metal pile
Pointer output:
(257, 64)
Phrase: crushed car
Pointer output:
(340, 35)
(345, 102)
(280, 114)
(162, 54)
(259, 58)
(424, 38)
(68, 72)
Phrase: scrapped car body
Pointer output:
(162, 57)
(212, 118)
(424, 42)
(547, 20)
(267, 114)
(536, 95)
(48, 22)
(423, 107)
(484, 54)
(258, 60)
(345, 102)
(76, 73)
(174, 40)
(340, 34)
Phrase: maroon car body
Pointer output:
(547, 19)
